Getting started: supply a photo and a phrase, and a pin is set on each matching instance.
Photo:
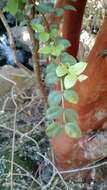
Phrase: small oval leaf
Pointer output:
(67, 58)
(51, 68)
(44, 36)
(56, 50)
(78, 68)
(61, 70)
(37, 27)
(53, 130)
(45, 50)
(71, 115)
(51, 78)
(53, 112)
(72, 130)
(69, 81)
(71, 96)
(82, 77)
(54, 98)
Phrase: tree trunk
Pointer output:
(92, 110)
(72, 22)
(72, 25)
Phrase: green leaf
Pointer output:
(12, 7)
(63, 41)
(45, 8)
(71, 115)
(45, 50)
(67, 58)
(53, 31)
(69, 7)
(37, 27)
(53, 112)
(54, 98)
(69, 81)
(72, 130)
(82, 77)
(44, 36)
(78, 68)
(61, 70)
(38, 20)
(71, 96)
(51, 68)
(56, 50)
(51, 78)
(59, 12)
(53, 130)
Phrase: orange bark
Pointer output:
(72, 25)
(92, 107)
(72, 22)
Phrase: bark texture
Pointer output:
(92, 110)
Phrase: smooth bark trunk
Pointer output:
(92, 110)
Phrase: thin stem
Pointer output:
(13, 140)
(35, 53)
(36, 64)
(62, 89)
(23, 169)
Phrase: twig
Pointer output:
(35, 52)
(7, 79)
(13, 140)
(83, 169)
(16, 184)
(37, 125)
(36, 64)
(23, 169)
(57, 172)
(21, 135)
(12, 43)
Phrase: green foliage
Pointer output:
(69, 7)
(63, 41)
(71, 96)
(72, 130)
(67, 58)
(53, 112)
(69, 81)
(54, 98)
(57, 49)
(63, 69)
(50, 74)
(70, 115)
(59, 12)
(45, 8)
(44, 36)
(45, 50)
(51, 68)
(53, 130)
(37, 27)
(78, 68)
(12, 6)
(82, 77)
(51, 78)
